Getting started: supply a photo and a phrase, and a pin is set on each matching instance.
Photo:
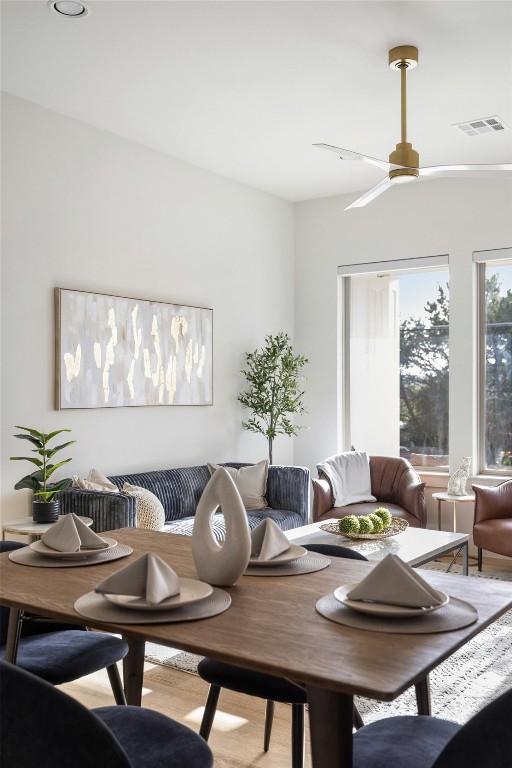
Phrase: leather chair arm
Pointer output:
(411, 496)
(322, 497)
(493, 502)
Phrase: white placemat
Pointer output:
(95, 606)
(27, 556)
(455, 615)
(306, 564)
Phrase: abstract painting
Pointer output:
(114, 351)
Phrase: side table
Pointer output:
(27, 527)
(443, 496)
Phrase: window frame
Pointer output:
(482, 260)
(345, 272)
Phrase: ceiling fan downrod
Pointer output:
(402, 58)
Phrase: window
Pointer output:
(396, 360)
(495, 281)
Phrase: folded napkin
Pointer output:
(394, 582)
(268, 541)
(148, 577)
(70, 534)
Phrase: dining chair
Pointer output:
(43, 727)
(220, 675)
(429, 742)
(60, 653)
(263, 686)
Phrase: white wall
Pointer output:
(454, 217)
(83, 208)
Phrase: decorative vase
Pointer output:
(45, 511)
(457, 481)
(221, 564)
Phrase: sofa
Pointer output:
(180, 489)
(394, 483)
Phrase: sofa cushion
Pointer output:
(494, 535)
(285, 519)
(366, 508)
(251, 482)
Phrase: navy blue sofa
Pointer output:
(180, 489)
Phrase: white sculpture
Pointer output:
(221, 564)
(458, 479)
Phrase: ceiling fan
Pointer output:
(404, 162)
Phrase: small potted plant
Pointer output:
(45, 507)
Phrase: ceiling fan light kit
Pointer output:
(404, 162)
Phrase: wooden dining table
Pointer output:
(272, 626)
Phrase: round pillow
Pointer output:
(150, 513)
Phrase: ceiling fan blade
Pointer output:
(478, 171)
(372, 193)
(347, 154)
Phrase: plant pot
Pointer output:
(45, 511)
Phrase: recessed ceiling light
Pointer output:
(73, 9)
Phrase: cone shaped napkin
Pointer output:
(70, 534)
(394, 582)
(268, 541)
(148, 577)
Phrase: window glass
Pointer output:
(498, 366)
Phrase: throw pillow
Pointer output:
(251, 483)
(95, 481)
(149, 509)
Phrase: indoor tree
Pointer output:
(274, 391)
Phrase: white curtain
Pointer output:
(375, 365)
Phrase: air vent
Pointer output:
(481, 125)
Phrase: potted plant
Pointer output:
(274, 394)
(45, 507)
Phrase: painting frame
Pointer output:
(59, 293)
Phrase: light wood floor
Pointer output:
(237, 735)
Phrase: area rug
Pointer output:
(461, 686)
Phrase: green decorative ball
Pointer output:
(385, 516)
(349, 524)
(365, 524)
(378, 525)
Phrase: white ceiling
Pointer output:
(245, 88)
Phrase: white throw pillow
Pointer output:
(95, 481)
(349, 476)
(149, 509)
(251, 483)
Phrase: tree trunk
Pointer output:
(270, 450)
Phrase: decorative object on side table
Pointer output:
(457, 482)
(274, 395)
(45, 507)
(221, 564)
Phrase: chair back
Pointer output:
(6, 546)
(485, 741)
(41, 726)
(333, 550)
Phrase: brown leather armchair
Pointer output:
(394, 483)
(492, 528)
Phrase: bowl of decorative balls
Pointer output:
(379, 525)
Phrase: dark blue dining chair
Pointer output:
(429, 742)
(268, 687)
(61, 653)
(42, 727)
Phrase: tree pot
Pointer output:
(45, 511)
